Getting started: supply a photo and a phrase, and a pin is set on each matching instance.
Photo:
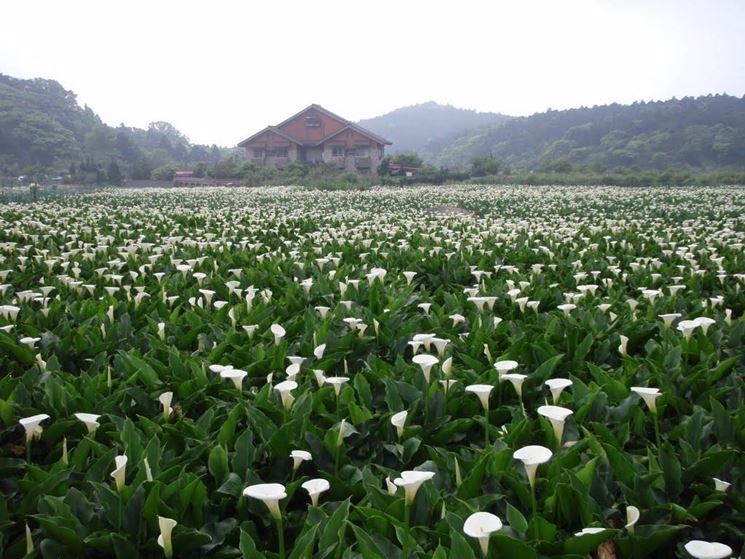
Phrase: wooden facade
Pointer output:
(315, 135)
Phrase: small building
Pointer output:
(314, 136)
(401, 170)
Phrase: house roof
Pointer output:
(270, 129)
(347, 123)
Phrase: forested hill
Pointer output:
(414, 128)
(43, 129)
(701, 133)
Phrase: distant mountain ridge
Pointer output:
(414, 127)
(44, 129)
(701, 133)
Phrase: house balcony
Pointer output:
(362, 162)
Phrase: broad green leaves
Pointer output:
(135, 295)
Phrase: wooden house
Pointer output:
(316, 135)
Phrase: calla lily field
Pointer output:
(280, 373)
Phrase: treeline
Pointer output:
(703, 133)
(481, 170)
(45, 133)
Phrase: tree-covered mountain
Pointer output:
(43, 130)
(701, 133)
(413, 128)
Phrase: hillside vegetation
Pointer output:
(414, 128)
(702, 133)
(43, 129)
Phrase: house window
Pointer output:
(362, 150)
(312, 122)
(337, 151)
(281, 152)
(258, 153)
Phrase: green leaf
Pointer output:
(505, 546)
(132, 442)
(227, 431)
(459, 546)
(671, 471)
(217, 463)
(474, 478)
(365, 544)
(648, 539)
(541, 529)
(59, 529)
(623, 469)
(6, 413)
(333, 531)
(304, 544)
(143, 371)
(587, 543)
(248, 547)
(723, 425)
(516, 520)
(392, 399)
(244, 454)
(363, 390)
(232, 487)
(546, 369)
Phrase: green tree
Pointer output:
(558, 165)
(485, 165)
(408, 158)
(200, 169)
(164, 172)
(114, 174)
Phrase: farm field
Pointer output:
(285, 373)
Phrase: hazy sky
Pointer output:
(219, 71)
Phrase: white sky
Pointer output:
(221, 70)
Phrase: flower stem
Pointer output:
(656, 429)
(426, 405)
(407, 520)
(336, 462)
(486, 429)
(533, 500)
(281, 538)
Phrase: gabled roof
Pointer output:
(347, 123)
(357, 129)
(269, 129)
